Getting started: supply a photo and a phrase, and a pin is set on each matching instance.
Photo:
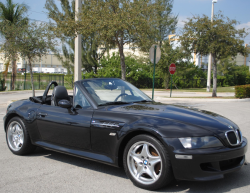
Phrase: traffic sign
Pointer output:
(172, 68)
(158, 53)
(154, 56)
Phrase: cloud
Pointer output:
(247, 27)
(243, 25)
(181, 20)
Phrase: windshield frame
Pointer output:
(128, 84)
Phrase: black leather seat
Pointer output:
(59, 93)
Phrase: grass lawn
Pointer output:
(219, 89)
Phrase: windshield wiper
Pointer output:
(142, 101)
(114, 103)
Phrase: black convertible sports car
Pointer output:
(111, 121)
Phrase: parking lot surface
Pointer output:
(48, 171)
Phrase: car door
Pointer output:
(67, 127)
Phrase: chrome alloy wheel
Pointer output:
(15, 136)
(144, 162)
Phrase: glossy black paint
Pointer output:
(101, 132)
(191, 169)
(67, 127)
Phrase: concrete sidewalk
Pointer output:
(186, 97)
(174, 94)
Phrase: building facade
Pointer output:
(47, 64)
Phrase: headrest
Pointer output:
(59, 93)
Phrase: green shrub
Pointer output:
(242, 91)
(68, 81)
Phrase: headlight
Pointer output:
(200, 142)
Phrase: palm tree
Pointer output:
(13, 13)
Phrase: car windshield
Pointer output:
(109, 91)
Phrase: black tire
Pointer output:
(165, 175)
(27, 147)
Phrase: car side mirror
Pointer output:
(64, 104)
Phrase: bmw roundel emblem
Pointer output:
(145, 162)
(230, 127)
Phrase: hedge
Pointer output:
(242, 91)
(2, 83)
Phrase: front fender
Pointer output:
(158, 127)
(27, 111)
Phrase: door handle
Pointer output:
(42, 114)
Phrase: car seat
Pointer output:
(59, 93)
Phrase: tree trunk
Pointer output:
(214, 78)
(5, 77)
(96, 69)
(14, 71)
(122, 58)
(32, 81)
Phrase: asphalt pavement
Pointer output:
(48, 171)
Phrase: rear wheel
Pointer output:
(17, 137)
(146, 163)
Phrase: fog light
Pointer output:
(183, 156)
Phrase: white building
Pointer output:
(47, 64)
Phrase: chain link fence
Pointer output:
(23, 82)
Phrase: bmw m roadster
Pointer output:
(111, 121)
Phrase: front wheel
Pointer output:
(146, 163)
(17, 137)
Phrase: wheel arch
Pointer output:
(8, 118)
(129, 136)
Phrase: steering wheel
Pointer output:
(47, 90)
(120, 96)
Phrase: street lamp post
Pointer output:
(210, 55)
(78, 47)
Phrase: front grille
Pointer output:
(234, 137)
(231, 163)
(222, 165)
(240, 135)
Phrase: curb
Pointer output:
(26, 91)
(200, 100)
(17, 92)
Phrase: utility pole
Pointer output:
(41, 65)
(245, 62)
(210, 55)
(78, 46)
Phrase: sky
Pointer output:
(234, 9)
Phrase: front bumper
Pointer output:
(4, 118)
(206, 164)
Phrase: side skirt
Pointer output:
(78, 153)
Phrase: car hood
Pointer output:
(192, 116)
